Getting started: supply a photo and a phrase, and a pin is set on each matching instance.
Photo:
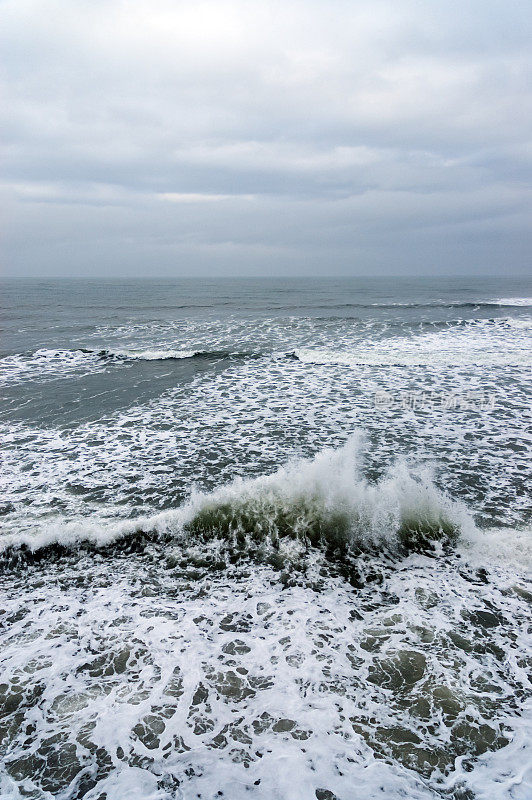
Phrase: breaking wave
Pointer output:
(149, 355)
(324, 502)
(169, 354)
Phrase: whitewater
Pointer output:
(227, 571)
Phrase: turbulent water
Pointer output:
(266, 539)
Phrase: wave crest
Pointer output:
(327, 502)
(323, 502)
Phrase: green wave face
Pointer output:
(325, 502)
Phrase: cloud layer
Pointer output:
(252, 137)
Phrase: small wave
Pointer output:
(170, 355)
(322, 502)
(452, 325)
(427, 304)
(148, 355)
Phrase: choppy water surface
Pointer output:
(266, 539)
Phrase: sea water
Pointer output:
(266, 539)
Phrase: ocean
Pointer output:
(266, 538)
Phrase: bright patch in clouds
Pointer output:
(265, 137)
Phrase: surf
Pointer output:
(323, 502)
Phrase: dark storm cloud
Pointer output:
(245, 137)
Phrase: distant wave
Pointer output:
(56, 363)
(504, 301)
(514, 301)
(509, 302)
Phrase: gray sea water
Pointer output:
(266, 539)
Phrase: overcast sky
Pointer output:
(144, 137)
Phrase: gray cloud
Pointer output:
(242, 138)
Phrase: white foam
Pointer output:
(154, 355)
(129, 782)
(46, 364)
(507, 773)
(514, 301)
(492, 547)
(480, 342)
(410, 356)
(519, 323)
(116, 662)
